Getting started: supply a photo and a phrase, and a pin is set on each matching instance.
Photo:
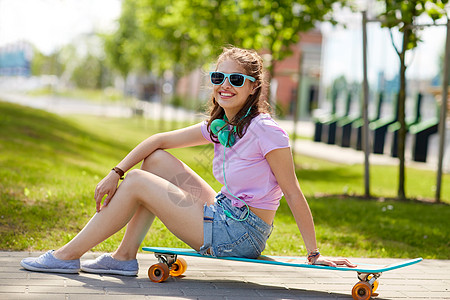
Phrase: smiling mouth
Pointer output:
(226, 94)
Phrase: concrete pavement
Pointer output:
(218, 279)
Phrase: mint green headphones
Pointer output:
(224, 134)
(220, 129)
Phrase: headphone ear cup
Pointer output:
(216, 125)
(232, 140)
(223, 136)
(219, 128)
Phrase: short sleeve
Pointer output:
(271, 136)
(205, 132)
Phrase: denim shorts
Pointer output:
(224, 236)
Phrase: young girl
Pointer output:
(252, 159)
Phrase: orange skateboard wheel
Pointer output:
(178, 267)
(158, 272)
(362, 291)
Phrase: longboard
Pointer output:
(172, 265)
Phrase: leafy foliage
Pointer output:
(403, 15)
(275, 25)
(117, 45)
(161, 35)
(42, 64)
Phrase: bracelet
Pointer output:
(313, 256)
(118, 171)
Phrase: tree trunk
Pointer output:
(401, 117)
(273, 103)
(162, 103)
(443, 117)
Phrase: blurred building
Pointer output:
(15, 59)
(297, 77)
(142, 86)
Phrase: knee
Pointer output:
(134, 176)
(133, 184)
(154, 160)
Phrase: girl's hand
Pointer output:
(107, 186)
(334, 262)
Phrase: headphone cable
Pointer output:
(227, 213)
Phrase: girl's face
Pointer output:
(229, 97)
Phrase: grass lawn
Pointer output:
(50, 165)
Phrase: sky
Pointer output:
(342, 51)
(50, 24)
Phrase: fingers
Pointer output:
(108, 187)
(108, 198)
(98, 196)
(336, 262)
(97, 206)
(330, 263)
(98, 202)
(350, 264)
(345, 262)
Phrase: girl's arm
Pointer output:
(280, 161)
(282, 165)
(186, 137)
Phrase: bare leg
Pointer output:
(172, 169)
(137, 228)
(143, 195)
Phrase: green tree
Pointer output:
(165, 38)
(274, 25)
(402, 15)
(178, 35)
(90, 73)
(37, 62)
(42, 64)
(119, 45)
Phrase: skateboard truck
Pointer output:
(169, 265)
(168, 259)
(363, 277)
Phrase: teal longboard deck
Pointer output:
(171, 265)
(287, 261)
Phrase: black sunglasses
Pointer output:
(235, 79)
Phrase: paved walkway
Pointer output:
(217, 279)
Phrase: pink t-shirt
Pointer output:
(247, 171)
